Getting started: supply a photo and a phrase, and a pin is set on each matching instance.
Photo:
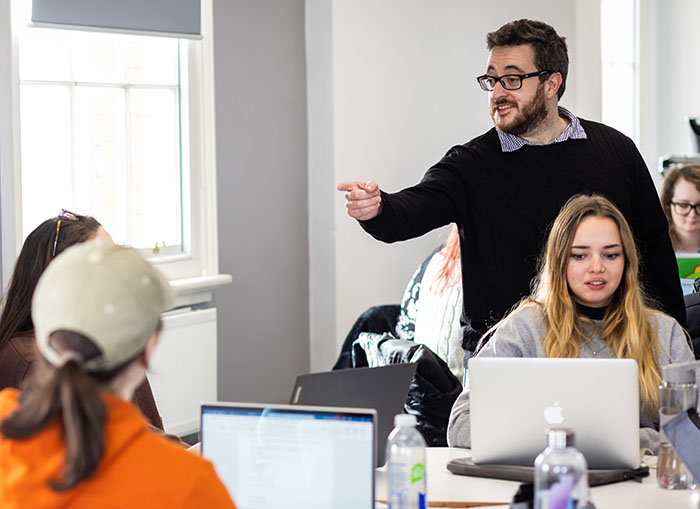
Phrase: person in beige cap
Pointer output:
(18, 355)
(74, 440)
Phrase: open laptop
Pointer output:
(514, 400)
(293, 457)
(383, 388)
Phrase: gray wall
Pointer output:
(261, 138)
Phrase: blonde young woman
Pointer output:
(587, 302)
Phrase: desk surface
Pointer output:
(446, 489)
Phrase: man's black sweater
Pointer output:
(505, 202)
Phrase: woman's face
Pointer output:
(596, 262)
(685, 193)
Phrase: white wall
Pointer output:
(678, 73)
(321, 183)
(10, 111)
(669, 74)
(398, 90)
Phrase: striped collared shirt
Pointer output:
(573, 131)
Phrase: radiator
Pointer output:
(183, 368)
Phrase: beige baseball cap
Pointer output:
(108, 293)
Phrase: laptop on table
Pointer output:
(514, 400)
(383, 388)
(296, 457)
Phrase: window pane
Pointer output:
(99, 58)
(153, 60)
(618, 53)
(100, 158)
(112, 138)
(155, 167)
(46, 153)
(618, 101)
(45, 55)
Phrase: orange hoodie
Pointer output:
(139, 468)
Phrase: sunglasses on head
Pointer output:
(65, 214)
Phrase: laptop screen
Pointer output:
(292, 457)
(357, 387)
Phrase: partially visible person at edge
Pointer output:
(505, 187)
(72, 439)
(18, 355)
(428, 314)
(680, 199)
(587, 302)
(432, 304)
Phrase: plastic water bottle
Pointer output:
(561, 474)
(677, 393)
(405, 450)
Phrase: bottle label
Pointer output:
(407, 486)
(417, 472)
(559, 495)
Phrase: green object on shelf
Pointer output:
(688, 266)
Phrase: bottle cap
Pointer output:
(683, 373)
(560, 438)
(405, 420)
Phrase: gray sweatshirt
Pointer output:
(522, 334)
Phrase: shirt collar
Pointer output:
(590, 312)
(573, 131)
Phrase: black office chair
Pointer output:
(433, 390)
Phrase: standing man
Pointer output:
(505, 187)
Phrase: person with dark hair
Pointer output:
(72, 439)
(587, 302)
(680, 199)
(505, 187)
(18, 356)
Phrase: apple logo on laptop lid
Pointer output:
(553, 414)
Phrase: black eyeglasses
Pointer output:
(507, 81)
(684, 208)
(65, 214)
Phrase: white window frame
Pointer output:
(631, 90)
(192, 275)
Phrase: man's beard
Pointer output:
(529, 118)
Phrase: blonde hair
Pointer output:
(627, 323)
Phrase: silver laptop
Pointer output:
(358, 388)
(296, 457)
(514, 400)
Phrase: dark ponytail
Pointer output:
(69, 393)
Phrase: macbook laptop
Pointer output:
(514, 400)
(383, 388)
(293, 457)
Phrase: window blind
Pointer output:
(174, 18)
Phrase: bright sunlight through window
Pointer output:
(101, 133)
(619, 55)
